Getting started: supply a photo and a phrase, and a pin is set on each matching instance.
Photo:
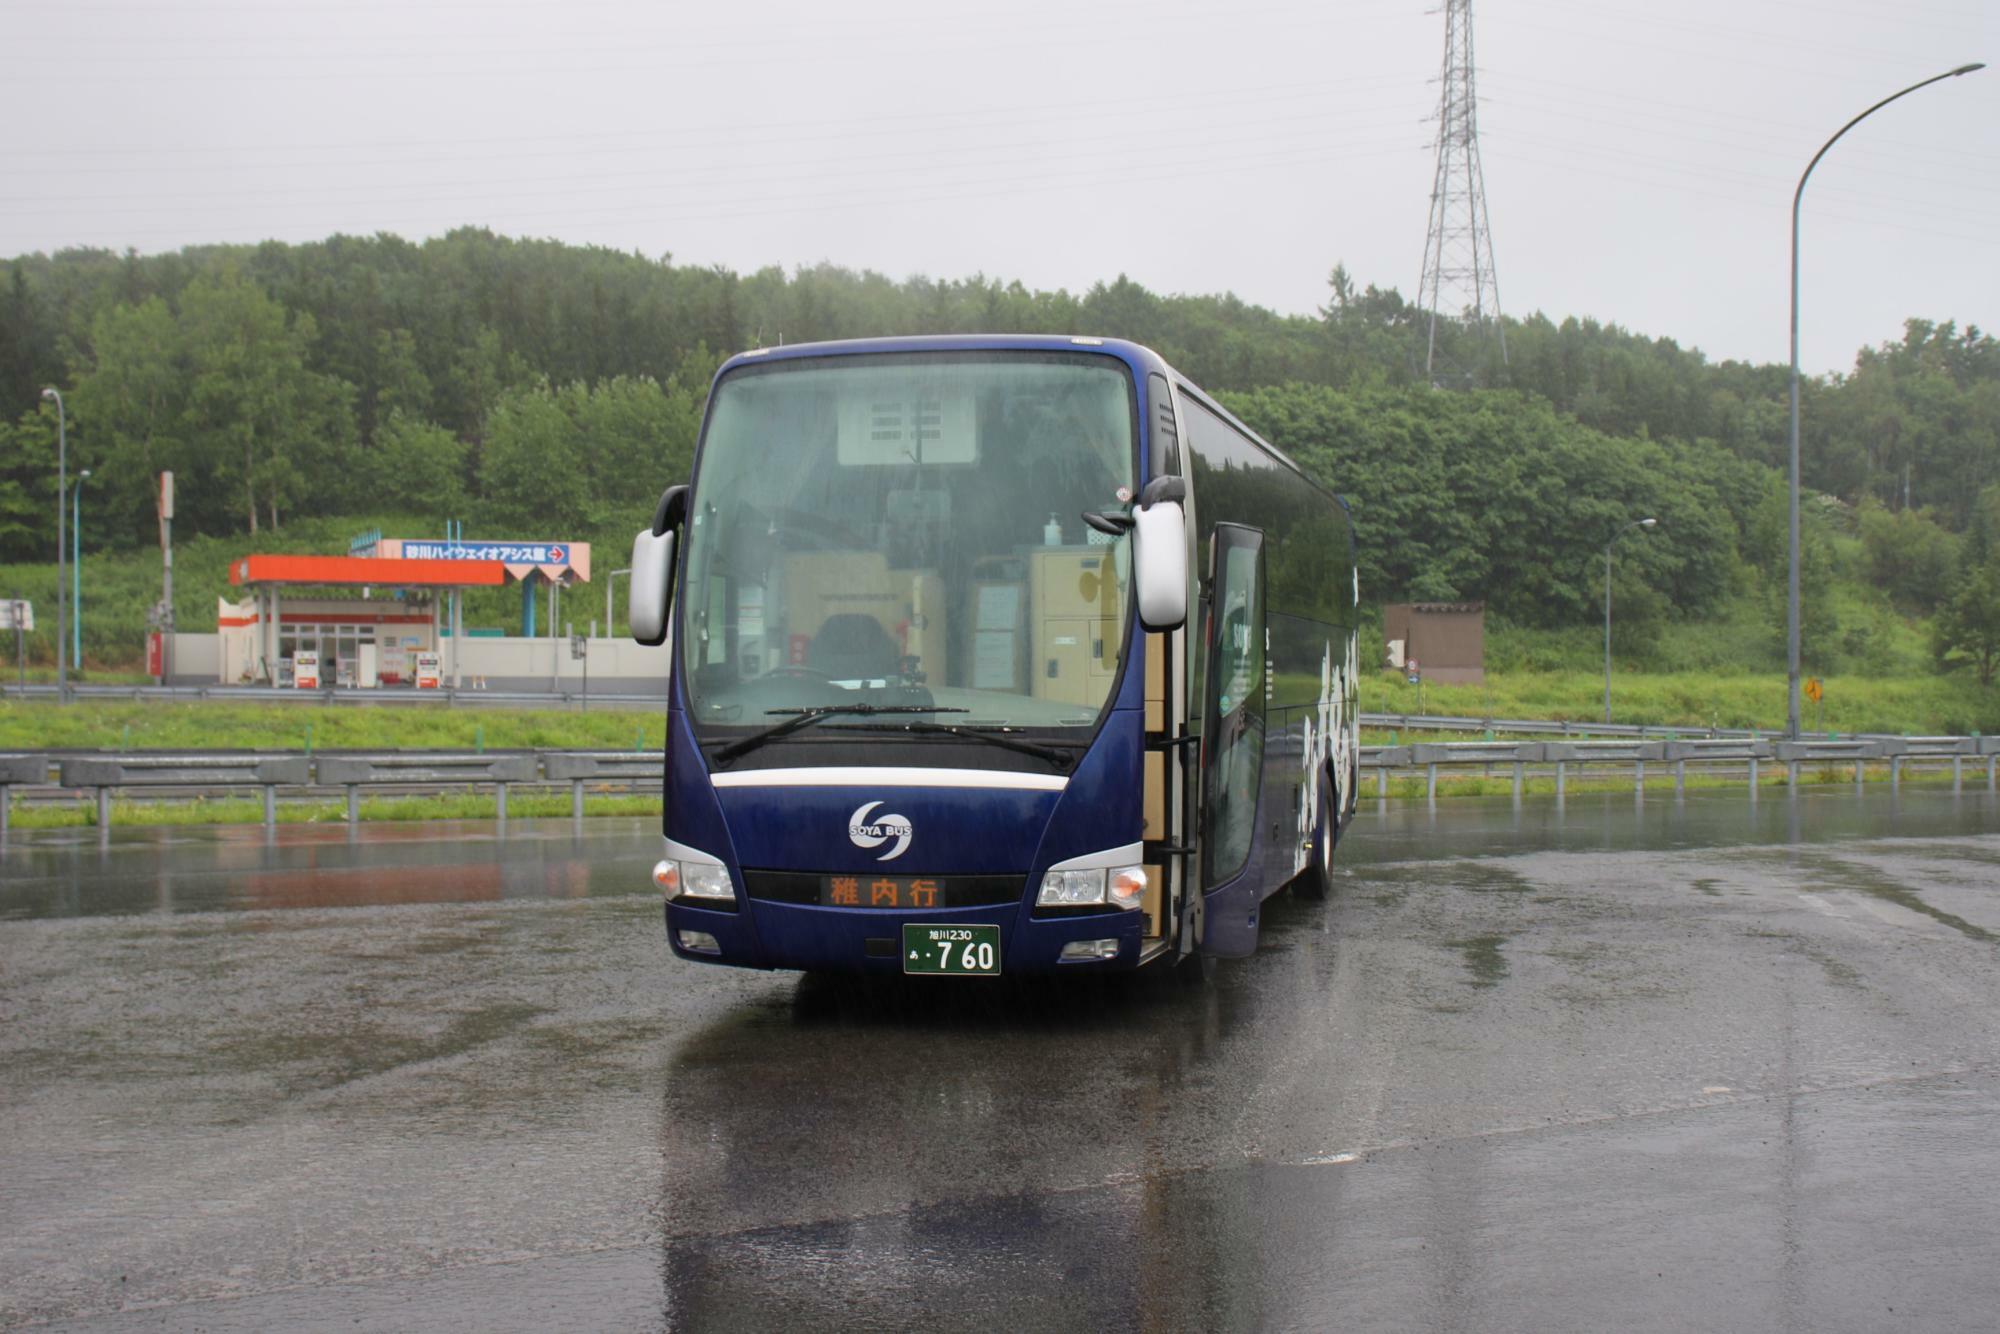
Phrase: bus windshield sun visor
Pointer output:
(802, 718)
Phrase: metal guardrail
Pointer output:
(1421, 722)
(354, 772)
(102, 775)
(99, 776)
(597, 766)
(105, 774)
(19, 771)
(1729, 753)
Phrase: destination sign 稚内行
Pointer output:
(881, 891)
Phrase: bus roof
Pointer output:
(1124, 349)
(1141, 358)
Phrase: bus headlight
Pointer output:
(1067, 889)
(705, 880)
(1116, 886)
(688, 873)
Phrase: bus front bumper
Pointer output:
(762, 934)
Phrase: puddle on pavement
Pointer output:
(307, 1060)
(1393, 882)
(1483, 959)
(1863, 879)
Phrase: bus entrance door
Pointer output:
(1232, 746)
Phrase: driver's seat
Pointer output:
(853, 646)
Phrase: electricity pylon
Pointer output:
(1459, 279)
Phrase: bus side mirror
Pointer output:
(650, 593)
(1159, 564)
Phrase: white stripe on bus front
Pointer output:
(889, 776)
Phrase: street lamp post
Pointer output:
(1636, 523)
(1792, 573)
(76, 572)
(62, 543)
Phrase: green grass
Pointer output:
(119, 725)
(1911, 705)
(250, 810)
(1916, 706)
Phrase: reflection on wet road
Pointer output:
(1663, 1064)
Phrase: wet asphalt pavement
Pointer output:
(1662, 1065)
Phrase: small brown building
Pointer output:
(1446, 639)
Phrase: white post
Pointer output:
(277, 636)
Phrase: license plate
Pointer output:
(960, 951)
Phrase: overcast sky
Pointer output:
(1639, 158)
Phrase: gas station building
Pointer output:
(389, 615)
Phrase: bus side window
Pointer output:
(1166, 433)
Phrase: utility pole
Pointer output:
(76, 572)
(1458, 279)
(1792, 563)
(62, 543)
(166, 508)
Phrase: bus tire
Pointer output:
(1316, 881)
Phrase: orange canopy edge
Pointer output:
(365, 570)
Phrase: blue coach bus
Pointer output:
(992, 655)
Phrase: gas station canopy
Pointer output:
(380, 572)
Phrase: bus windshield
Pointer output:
(905, 529)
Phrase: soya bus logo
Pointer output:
(864, 832)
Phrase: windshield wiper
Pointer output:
(995, 736)
(807, 717)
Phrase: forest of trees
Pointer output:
(521, 384)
